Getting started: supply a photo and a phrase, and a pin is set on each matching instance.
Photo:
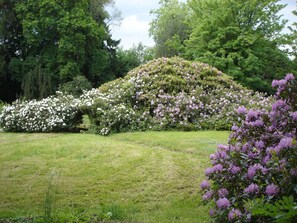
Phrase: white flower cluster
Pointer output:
(55, 113)
(88, 98)
(116, 118)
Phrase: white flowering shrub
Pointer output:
(169, 93)
(55, 113)
(111, 112)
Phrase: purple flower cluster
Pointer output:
(281, 85)
(294, 115)
(234, 169)
(260, 159)
(208, 195)
(223, 203)
(252, 170)
(223, 192)
(204, 184)
(215, 169)
(252, 189)
(241, 110)
(271, 190)
(234, 214)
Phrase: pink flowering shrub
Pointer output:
(172, 93)
(260, 161)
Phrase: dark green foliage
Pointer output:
(2, 104)
(282, 211)
(49, 42)
(11, 41)
(76, 86)
(127, 60)
(37, 83)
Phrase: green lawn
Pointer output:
(137, 177)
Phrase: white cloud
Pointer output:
(135, 24)
(132, 31)
(132, 24)
(136, 5)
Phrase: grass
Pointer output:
(129, 177)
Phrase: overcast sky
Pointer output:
(136, 18)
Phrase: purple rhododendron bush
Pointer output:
(259, 161)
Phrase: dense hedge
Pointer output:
(55, 113)
(162, 94)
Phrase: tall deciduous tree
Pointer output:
(169, 28)
(11, 41)
(292, 39)
(128, 59)
(241, 38)
(58, 40)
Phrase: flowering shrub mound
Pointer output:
(260, 161)
(162, 94)
(169, 93)
(55, 113)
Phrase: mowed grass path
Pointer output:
(138, 177)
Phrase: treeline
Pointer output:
(46, 44)
(242, 38)
(50, 45)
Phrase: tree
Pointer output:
(11, 41)
(58, 40)
(169, 29)
(292, 40)
(76, 87)
(126, 60)
(241, 38)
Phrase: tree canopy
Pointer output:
(169, 28)
(242, 38)
(293, 40)
(127, 60)
(47, 44)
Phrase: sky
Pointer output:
(136, 18)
